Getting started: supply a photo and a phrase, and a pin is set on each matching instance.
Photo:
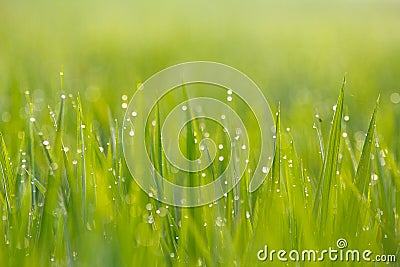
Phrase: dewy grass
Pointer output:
(67, 198)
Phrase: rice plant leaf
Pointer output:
(8, 177)
(362, 174)
(328, 173)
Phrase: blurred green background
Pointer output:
(296, 51)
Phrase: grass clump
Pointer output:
(67, 198)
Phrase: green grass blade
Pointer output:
(7, 176)
(324, 192)
(362, 177)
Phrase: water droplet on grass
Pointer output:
(220, 222)
(247, 215)
(264, 169)
(162, 212)
(149, 207)
(150, 220)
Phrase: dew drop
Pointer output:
(264, 169)
(150, 220)
(162, 212)
(229, 98)
(184, 107)
(220, 222)
(149, 206)
(220, 146)
(229, 92)
(221, 158)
